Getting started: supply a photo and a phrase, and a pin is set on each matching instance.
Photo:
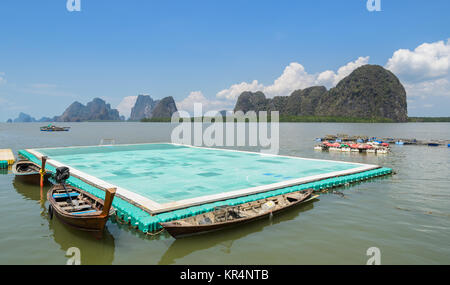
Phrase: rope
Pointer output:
(119, 220)
(331, 191)
(155, 234)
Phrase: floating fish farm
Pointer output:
(344, 138)
(364, 144)
(163, 182)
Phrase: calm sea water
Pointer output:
(407, 216)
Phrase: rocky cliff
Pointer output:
(24, 118)
(147, 108)
(370, 91)
(96, 110)
(299, 103)
(165, 108)
(143, 108)
(252, 101)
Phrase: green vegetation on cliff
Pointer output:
(369, 92)
(429, 119)
(293, 119)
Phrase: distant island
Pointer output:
(98, 110)
(370, 94)
(25, 118)
(146, 108)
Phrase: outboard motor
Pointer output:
(62, 174)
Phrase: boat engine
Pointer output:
(62, 174)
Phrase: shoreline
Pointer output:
(282, 119)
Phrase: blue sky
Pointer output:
(193, 50)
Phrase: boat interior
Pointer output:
(76, 203)
(247, 210)
(27, 167)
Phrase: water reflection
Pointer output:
(181, 248)
(370, 214)
(30, 191)
(3, 171)
(94, 249)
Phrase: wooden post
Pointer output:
(109, 196)
(42, 172)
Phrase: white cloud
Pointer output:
(207, 105)
(427, 61)
(236, 89)
(126, 105)
(294, 77)
(427, 88)
(329, 78)
(425, 71)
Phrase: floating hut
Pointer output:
(163, 182)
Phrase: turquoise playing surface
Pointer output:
(167, 173)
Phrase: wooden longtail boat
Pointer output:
(51, 128)
(77, 207)
(227, 216)
(83, 210)
(28, 171)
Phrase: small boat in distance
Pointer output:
(77, 207)
(52, 128)
(227, 216)
(28, 171)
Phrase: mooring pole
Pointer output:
(42, 171)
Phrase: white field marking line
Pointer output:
(260, 189)
(87, 146)
(210, 148)
(269, 154)
(155, 207)
(143, 201)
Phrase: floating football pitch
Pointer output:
(164, 177)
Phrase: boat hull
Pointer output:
(88, 222)
(30, 177)
(95, 224)
(180, 231)
(55, 129)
